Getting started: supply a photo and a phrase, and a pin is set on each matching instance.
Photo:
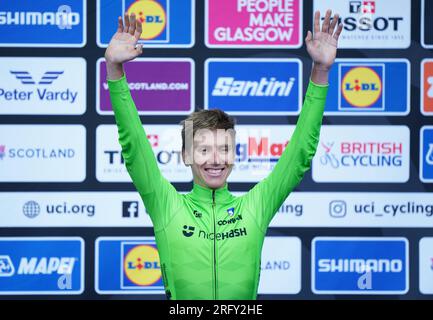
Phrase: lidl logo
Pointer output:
(140, 265)
(165, 23)
(361, 87)
(153, 15)
(128, 266)
(368, 86)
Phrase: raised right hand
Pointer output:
(123, 45)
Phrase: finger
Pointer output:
(325, 25)
(316, 22)
(126, 25)
(337, 33)
(131, 29)
(309, 37)
(139, 49)
(119, 24)
(333, 23)
(138, 30)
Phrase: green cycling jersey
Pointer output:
(209, 241)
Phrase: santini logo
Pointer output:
(266, 87)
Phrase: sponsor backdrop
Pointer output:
(359, 225)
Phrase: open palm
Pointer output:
(322, 46)
(123, 45)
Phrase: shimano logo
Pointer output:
(361, 265)
(266, 87)
(32, 18)
(229, 221)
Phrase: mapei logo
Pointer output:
(154, 17)
(362, 87)
(26, 78)
(360, 265)
(7, 268)
(141, 265)
(51, 23)
(41, 265)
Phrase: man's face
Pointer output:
(213, 157)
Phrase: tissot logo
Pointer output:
(188, 231)
(26, 78)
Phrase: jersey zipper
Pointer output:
(214, 245)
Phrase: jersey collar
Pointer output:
(221, 195)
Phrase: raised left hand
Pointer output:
(322, 45)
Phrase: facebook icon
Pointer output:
(130, 209)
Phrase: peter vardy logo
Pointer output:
(360, 265)
(26, 78)
(47, 23)
(41, 85)
(41, 266)
(188, 231)
(130, 209)
(253, 86)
